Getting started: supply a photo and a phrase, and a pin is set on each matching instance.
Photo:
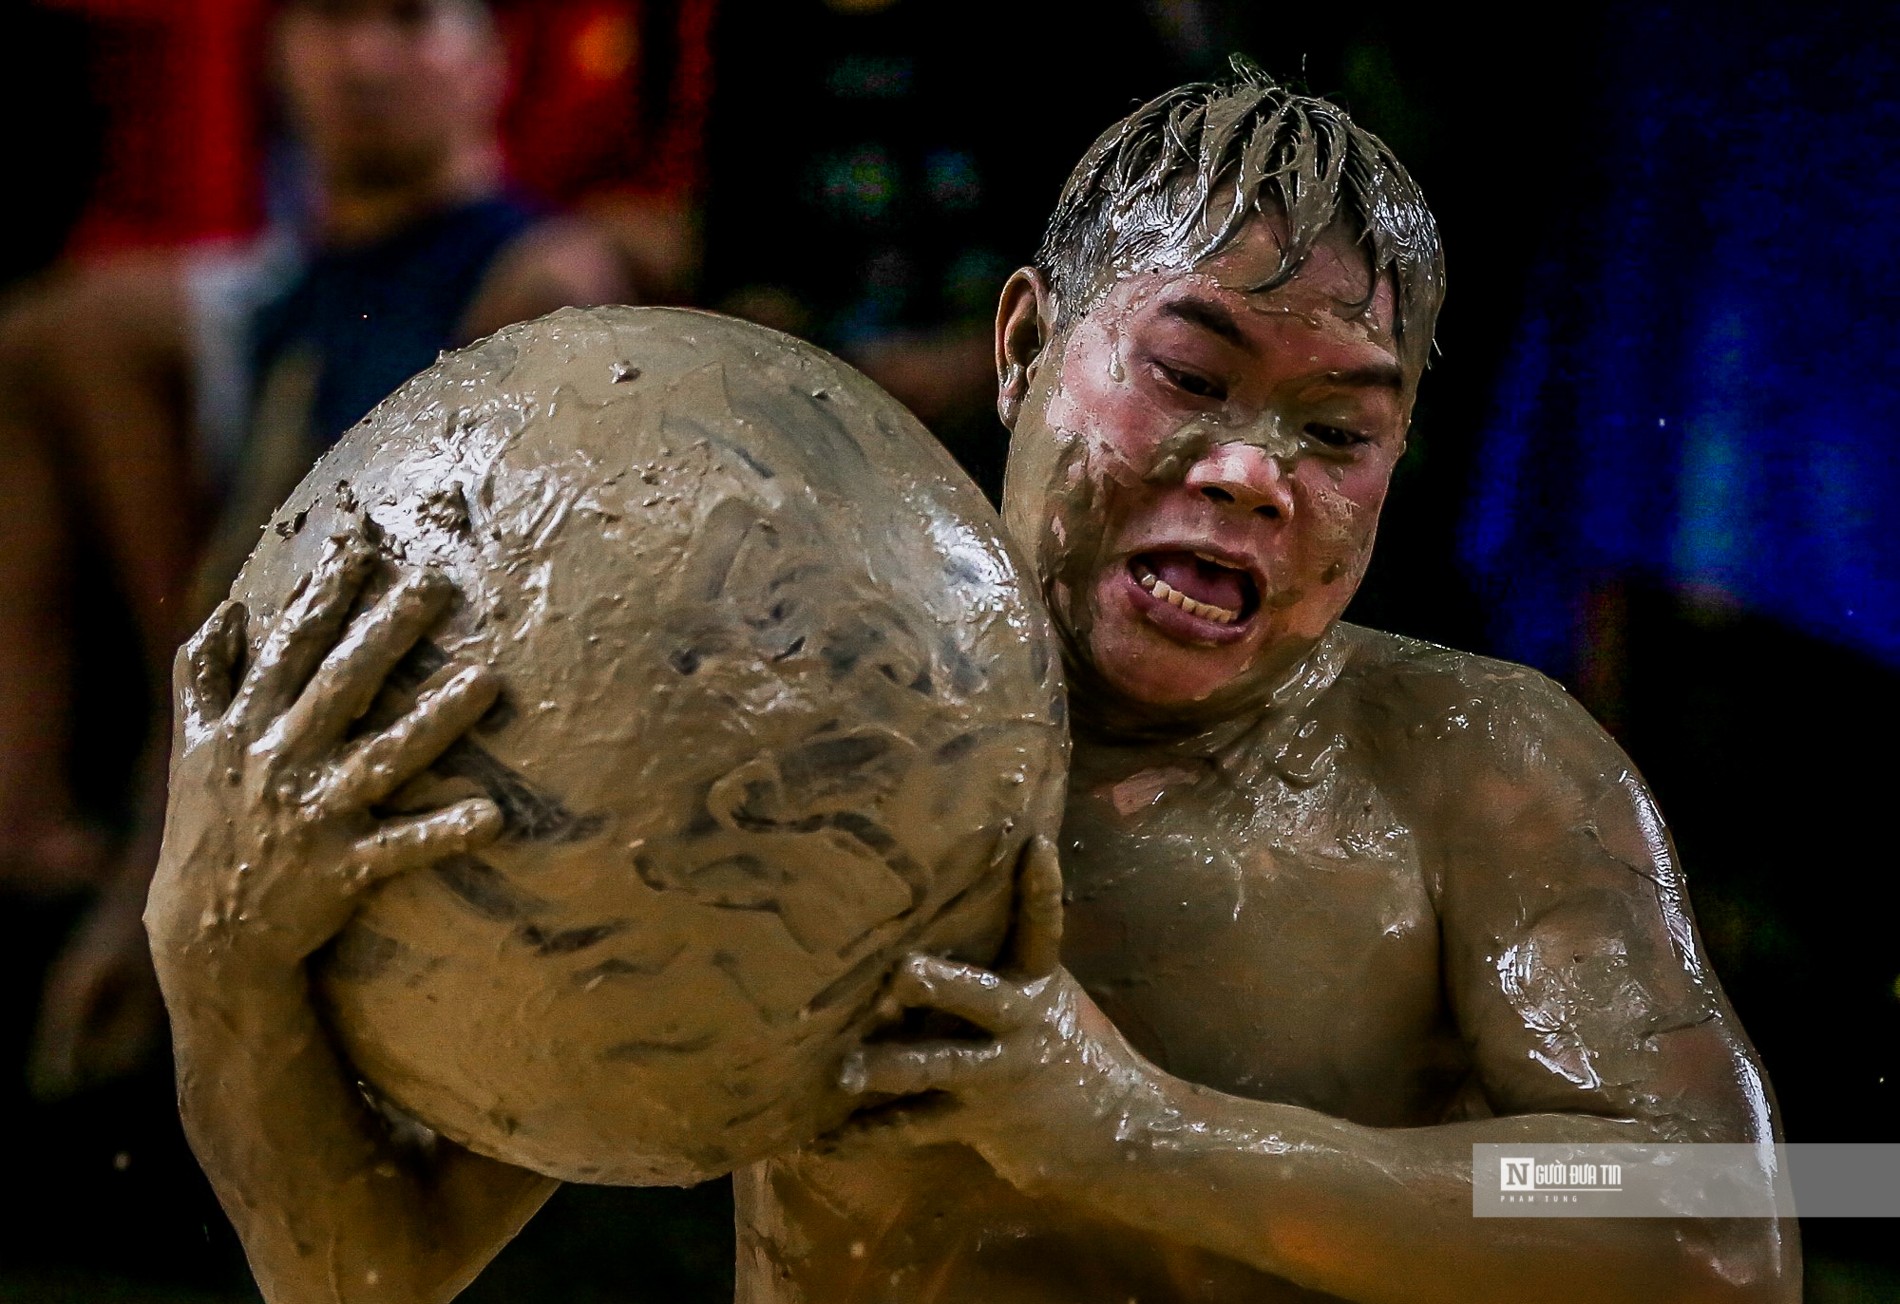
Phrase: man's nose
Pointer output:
(1245, 475)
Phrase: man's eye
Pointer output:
(1334, 436)
(1190, 383)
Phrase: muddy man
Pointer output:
(1333, 905)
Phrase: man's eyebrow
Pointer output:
(1209, 316)
(1376, 375)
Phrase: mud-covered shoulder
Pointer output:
(1469, 741)
(1571, 962)
(1424, 692)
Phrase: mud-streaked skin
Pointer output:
(280, 1125)
(1334, 907)
(1339, 904)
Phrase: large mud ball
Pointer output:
(778, 708)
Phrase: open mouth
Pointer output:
(1197, 585)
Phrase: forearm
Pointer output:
(329, 1208)
(1383, 1216)
(271, 843)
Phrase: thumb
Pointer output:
(1035, 944)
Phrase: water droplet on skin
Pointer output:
(1116, 372)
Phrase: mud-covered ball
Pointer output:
(778, 707)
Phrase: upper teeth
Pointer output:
(1206, 610)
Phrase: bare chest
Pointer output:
(1263, 930)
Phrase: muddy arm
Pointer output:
(269, 845)
(1573, 971)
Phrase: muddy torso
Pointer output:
(1256, 917)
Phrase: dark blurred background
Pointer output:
(1654, 457)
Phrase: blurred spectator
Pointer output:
(154, 400)
(605, 110)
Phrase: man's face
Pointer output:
(1199, 469)
(382, 90)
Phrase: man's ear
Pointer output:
(1023, 328)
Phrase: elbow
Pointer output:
(1741, 1261)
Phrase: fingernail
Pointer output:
(431, 583)
(458, 680)
(851, 1078)
(352, 552)
(474, 681)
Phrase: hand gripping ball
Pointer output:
(778, 708)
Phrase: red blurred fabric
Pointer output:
(608, 95)
(181, 156)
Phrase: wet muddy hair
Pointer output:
(1176, 180)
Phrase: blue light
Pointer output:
(1739, 274)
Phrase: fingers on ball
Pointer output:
(354, 670)
(416, 841)
(1036, 943)
(383, 762)
(911, 1068)
(970, 993)
(202, 672)
(304, 631)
